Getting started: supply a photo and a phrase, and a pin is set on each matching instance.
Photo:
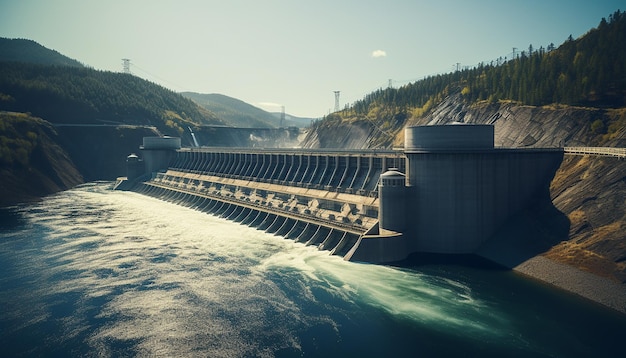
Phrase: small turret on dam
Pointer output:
(447, 192)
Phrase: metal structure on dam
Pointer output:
(448, 191)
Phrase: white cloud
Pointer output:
(379, 53)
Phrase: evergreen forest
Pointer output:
(589, 71)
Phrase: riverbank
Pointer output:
(598, 289)
(524, 244)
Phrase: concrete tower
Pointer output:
(158, 152)
(134, 167)
(392, 204)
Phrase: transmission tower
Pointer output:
(337, 100)
(126, 65)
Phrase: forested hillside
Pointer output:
(586, 72)
(42, 91)
(28, 51)
(63, 94)
(37, 80)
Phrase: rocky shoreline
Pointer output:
(598, 289)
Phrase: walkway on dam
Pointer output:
(598, 151)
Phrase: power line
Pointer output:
(158, 77)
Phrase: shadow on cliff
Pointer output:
(531, 232)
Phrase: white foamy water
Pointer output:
(102, 273)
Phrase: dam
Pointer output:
(447, 191)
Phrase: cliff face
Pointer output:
(515, 126)
(591, 191)
(527, 126)
(354, 135)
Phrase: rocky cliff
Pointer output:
(32, 163)
(530, 126)
(515, 125)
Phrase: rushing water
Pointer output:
(96, 272)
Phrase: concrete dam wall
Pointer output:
(322, 198)
(448, 191)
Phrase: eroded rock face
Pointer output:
(525, 126)
(515, 126)
(591, 191)
(354, 135)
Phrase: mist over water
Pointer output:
(96, 272)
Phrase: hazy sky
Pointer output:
(295, 53)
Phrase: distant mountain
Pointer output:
(29, 51)
(240, 114)
(233, 111)
(293, 121)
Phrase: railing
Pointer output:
(300, 151)
(604, 151)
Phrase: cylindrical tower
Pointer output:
(453, 137)
(392, 204)
(158, 152)
(134, 167)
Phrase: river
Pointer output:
(93, 272)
